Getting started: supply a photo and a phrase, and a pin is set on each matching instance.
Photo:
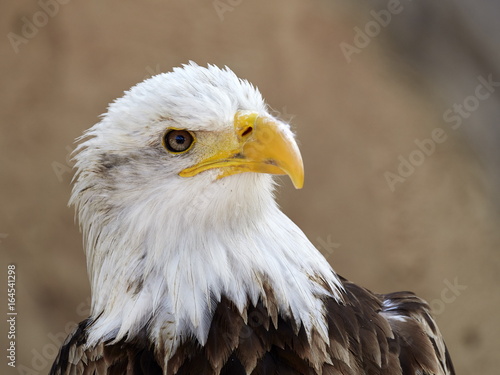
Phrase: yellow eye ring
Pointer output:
(178, 141)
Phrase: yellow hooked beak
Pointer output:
(258, 144)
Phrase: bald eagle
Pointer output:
(193, 267)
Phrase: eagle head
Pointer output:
(174, 194)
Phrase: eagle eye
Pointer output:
(178, 141)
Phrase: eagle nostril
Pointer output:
(247, 131)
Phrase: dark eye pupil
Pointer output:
(178, 140)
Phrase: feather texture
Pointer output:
(205, 275)
(365, 337)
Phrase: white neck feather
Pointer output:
(151, 264)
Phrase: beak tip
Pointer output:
(297, 180)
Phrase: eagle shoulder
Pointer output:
(390, 334)
(421, 344)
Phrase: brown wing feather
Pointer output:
(421, 344)
(388, 334)
(130, 358)
(391, 334)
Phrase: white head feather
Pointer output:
(162, 249)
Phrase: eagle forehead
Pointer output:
(193, 96)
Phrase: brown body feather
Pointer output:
(368, 334)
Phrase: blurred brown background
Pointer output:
(362, 82)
